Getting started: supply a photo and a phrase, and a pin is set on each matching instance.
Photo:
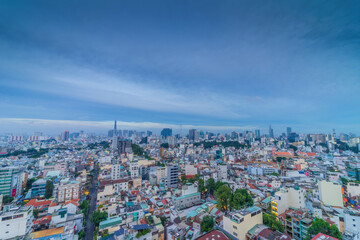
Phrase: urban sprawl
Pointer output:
(200, 185)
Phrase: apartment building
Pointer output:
(296, 222)
(330, 193)
(240, 222)
(10, 181)
(15, 222)
(68, 190)
(286, 198)
(222, 172)
(172, 175)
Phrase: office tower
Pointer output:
(257, 133)
(149, 133)
(166, 132)
(172, 176)
(288, 131)
(271, 132)
(10, 181)
(66, 135)
(193, 135)
(115, 130)
(124, 146)
(111, 133)
(234, 135)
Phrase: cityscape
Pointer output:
(179, 120)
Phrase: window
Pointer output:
(234, 227)
(234, 233)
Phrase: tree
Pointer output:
(35, 213)
(240, 199)
(97, 217)
(210, 185)
(81, 234)
(29, 183)
(164, 145)
(49, 187)
(270, 221)
(183, 179)
(207, 223)
(223, 196)
(201, 185)
(321, 226)
(7, 199)
(137, 149)
(142, 232)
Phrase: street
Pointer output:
(93, 192)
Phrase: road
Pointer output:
(89, 234)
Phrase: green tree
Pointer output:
(240, 199)
(210, 185)
(270, 221)
(201, 184)
(142, 232)
(207, 223)
(223, 196)
(49, 187)
(321, 226)
(29, 183)
(35, 213)
(81, 234)
(97, 217)
(137, 149)
(7, 199)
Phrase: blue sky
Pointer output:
(209, 64)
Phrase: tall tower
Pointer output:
(115, 131)
(271, 132)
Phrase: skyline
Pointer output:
(29, 126)
(229, 64)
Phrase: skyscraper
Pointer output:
(257, 133)
(193, 135)
(288, 131)
(66, 135)
(166, 132)
(271, 132)
(115, 130)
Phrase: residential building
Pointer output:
(286, 198)
(238, 223)
(38, 188)
(330, 193)
(10, 181)
(172, 176)
(68, 190)
(15, 222)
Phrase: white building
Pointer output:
(352, 224)
(15, 222)
(115, 172)
(330, 193)
(287, 197)
(353, 189)
(222, 173)
(191, 170)
(134, 170)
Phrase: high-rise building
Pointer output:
(149, 133)
(271, 132)
(115, 130)
(111, 133)
(288, 131)
(66, 135)
(257, 133)
(124, 146)
(166, 132)
(10, 181)
(193, 135)
(172, 175)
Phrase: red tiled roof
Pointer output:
(283, 154)
(323, 237)
(38, 203)
(214, 235)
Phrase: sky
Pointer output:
(217, 65)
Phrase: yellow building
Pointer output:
(240, 222)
